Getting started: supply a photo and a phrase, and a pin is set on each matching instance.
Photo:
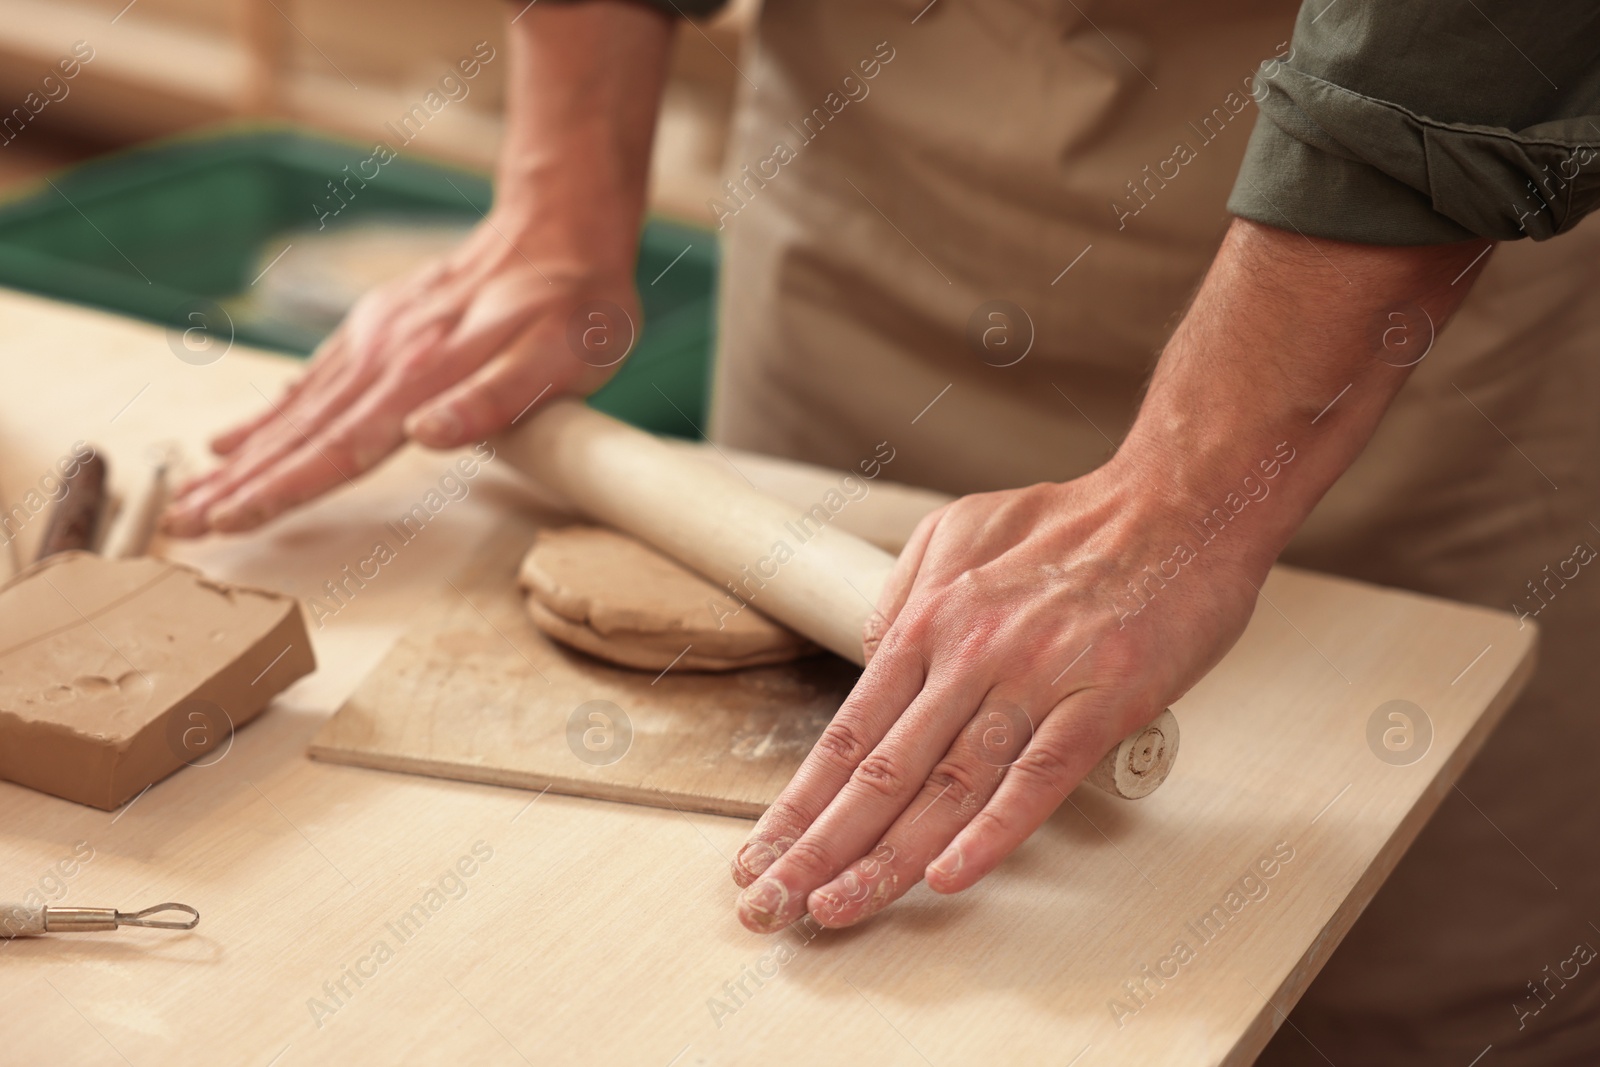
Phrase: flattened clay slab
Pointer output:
(115, 673)
(474, 691)
(607, 594)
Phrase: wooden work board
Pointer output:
(474, 691)
(601, 933)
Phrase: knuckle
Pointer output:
(413, 364)
(881, 775)
(931, 520)
(994, 824)
(966, 581)
(348, 453)
(810, 857)
(876, 861)
(1123, 665)
(340, 452)
(958, 784)
(873, 632)
(903, 638)
(780, 825)
(978, 638)
(842, 745)
(1042, 766)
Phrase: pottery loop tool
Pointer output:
(18, 920)
(717, 524)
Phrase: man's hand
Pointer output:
(1024, 633)
(448, 355)
(533, 305)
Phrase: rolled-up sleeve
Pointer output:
(691, 9)
(1412, 122)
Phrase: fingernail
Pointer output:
(231, 517)
(947, 866)
(825, 905)
(761, 907)
(757, 855)
(440, 427)
(179, 522)
(836, 898)
(367, 456)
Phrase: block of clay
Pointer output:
(116, 672)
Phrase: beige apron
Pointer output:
(1013, 150)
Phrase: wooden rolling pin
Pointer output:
(824, 586)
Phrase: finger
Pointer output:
(897, 587)
(229, 440)
(1066, 745)
(279, 430)
(501, 392)
(368, 418)
(187, 516)
(373, 426)
(486, 403)
(524, 368)
(304, 474)
(306, 419)
(357, 440)
(876, 792)
(884, 690)
(385, 311)
(323, 365)
(956, 789)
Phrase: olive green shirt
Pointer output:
(1409, 122)
(694, 9)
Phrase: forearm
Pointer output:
(1290, 342)
(585, 86)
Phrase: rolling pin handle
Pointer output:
(1137, 766)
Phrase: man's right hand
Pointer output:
(538, 302)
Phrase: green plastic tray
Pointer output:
(149, 231)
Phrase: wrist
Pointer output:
(567, 231)
(1238, 503)
(585, 87)
(1279, 374)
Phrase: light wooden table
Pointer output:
(592, 932)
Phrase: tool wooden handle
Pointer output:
(76, 517)
(792, 565)
(132, 531)
(10, 561)
(21, 920)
